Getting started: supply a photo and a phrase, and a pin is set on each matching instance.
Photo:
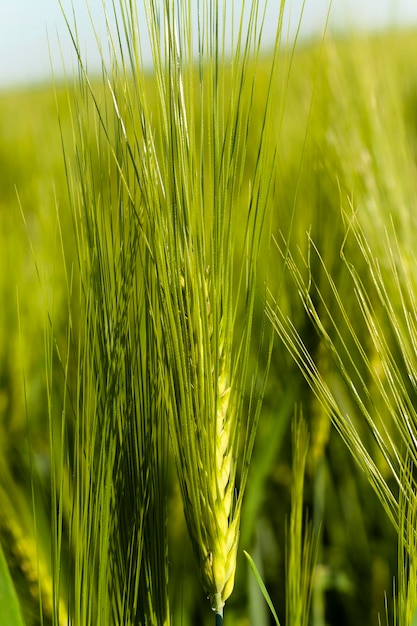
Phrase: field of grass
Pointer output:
(78, 311)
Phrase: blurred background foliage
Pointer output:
(348, 134)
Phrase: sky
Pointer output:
(33, 31)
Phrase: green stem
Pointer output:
(217, 605)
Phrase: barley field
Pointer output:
(208, 333)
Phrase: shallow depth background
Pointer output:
(349, 127)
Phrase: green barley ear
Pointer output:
(372, 348)
(389, 413)
(407, 549)
(301, 545)
(112, 443)
(204, 229)
(214, 532)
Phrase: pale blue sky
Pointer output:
(24, 24)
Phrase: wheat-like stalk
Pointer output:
(194, 174)
(381, 387)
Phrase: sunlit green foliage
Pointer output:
(344, 173)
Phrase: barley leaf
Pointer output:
(262, 586)
(9, 604)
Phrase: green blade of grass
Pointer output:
(9, 604)
(262, 586)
